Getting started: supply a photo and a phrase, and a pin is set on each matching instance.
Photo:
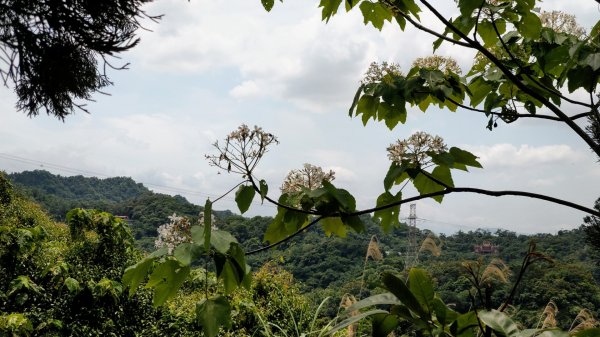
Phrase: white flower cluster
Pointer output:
(242, 150)
(381, 72)
(171, 234)
(415, 149)
(310, 177)
(441, 63)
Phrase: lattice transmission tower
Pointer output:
(412, 250)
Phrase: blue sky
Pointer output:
(209, 66)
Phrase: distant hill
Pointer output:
(332, 266)
(120, 195)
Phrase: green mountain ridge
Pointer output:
(332, 266)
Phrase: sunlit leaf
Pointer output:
(212, 314)
(243, 197)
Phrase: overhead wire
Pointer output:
(68, 169)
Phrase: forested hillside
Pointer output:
(334, 266)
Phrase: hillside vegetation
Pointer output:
(333, 266)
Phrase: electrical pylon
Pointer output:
(412, 250)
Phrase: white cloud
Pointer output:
(509, 155)
(246, 89)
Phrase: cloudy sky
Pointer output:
(210, 66)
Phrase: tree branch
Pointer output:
(312, 223)
(514, 79)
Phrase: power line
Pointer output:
(172, 189)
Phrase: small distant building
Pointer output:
(123, 217)
(486, 248)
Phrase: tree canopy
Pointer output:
(57, 53)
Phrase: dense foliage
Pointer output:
(65, 280)
(51, 50)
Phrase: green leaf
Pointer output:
(485, 29)
(343, 197)
(330, 7)
(353, 319)
(403, 293)
(354, 222)
(421, 285)
(222, 240)
(468, 6)
(389, 217)
(499, 322)
(355, 100)
(207, 224)
(243, 197)
(383, 324)
(71, 284)
(367, 106)
(285, 223)
(581, 77)
(264, 189)
(395, 175)
(212, 314)
(588, 333)
(334, 226)
(228, 273)
(443, 314)
(593, 60)
(425, 184)
(479, 89)
(268, 4)
(379, 299)
(134, 275)
(375, 13)
(464, 157)
(166, 279)
(530, 26)
(464, 324)
(187, 252)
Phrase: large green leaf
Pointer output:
(343, 197)
(383, 324)
(485, 29)
(424, 184)
(463, 325)
(222, 240)
(353, 319)
(166, 279)
(588, 333)
(375, 13)
(389, 216)
(243, 197)
(134, 275)
(403, 293)
(330, 7)
(464, 157)
(335, 226)
(379, 299)
(187, 252)
(421, 286)
(354, 222)
(213, 313)
(468, 6)
(499, 322)
(530, 26)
